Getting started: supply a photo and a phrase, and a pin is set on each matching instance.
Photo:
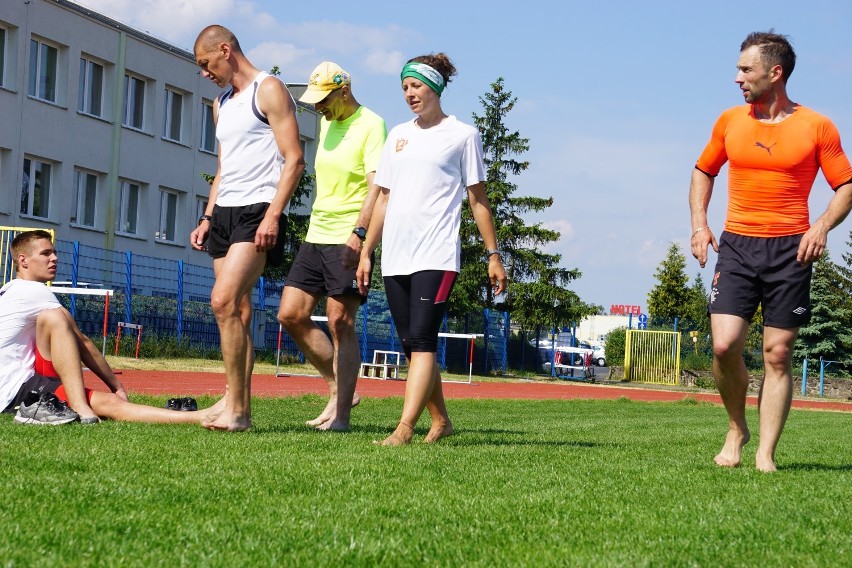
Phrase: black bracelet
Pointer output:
(204, 218)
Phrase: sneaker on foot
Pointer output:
(45, 409)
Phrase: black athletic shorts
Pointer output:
(753, 271)
(318, 269)
(417, 304)
(38, 383)
(238, 225)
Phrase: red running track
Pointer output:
(196, 384)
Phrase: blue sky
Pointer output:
(617, 98)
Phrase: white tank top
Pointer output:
(250, 161)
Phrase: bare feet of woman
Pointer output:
(438, 431)
(400, 437)
(731, 453)
(228, 422)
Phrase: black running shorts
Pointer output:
(753, 271)
(318, 269)
(238, 225)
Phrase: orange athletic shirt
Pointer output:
(772, 168)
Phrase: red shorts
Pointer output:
(45, 368)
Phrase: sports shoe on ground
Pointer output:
(45, 408)
(174, 403)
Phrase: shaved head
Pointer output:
(213, 36)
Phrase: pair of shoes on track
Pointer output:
(183, 404)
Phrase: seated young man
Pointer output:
(42, 352)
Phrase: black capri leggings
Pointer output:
(417, 304)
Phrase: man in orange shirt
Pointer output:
(774, 148)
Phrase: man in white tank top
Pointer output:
(260, 163)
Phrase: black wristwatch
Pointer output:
(361, 232)
(204, 218)
(491, 252)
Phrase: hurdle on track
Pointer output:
(90, 292)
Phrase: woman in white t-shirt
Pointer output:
(427, 166)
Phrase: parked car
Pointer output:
(599, 355)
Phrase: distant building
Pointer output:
(595, 328)
(105, 131)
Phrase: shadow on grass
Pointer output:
(468, 437)
(462, 441)
(815, 467)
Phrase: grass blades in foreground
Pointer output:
(544, 483)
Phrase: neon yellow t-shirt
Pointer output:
(348, 150)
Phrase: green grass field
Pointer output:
(543, 483)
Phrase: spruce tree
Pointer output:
(670, 298)
(538, 293)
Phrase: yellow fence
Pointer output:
(652, 357)
(7, 267)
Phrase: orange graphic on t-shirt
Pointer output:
(400, 144)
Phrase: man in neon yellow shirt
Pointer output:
(350, 145)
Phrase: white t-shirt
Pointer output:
(427, 172)
(21, 301)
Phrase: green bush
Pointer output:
(697, 361)
(615, 347)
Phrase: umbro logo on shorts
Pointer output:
(799, 311)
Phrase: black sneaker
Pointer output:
(174, 403)
(45, 409)
(188, 404)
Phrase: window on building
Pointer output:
(168, 215)
(174, 110)
(134, 102)
(86, 189)
(90, 92)
(200, 207)
(35, 189)
(208, 128)
(2, 57)
(128, 208)
(44, 61)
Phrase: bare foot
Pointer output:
(212, 413)
(227, 421)
(327, 414)
(335, 425)
(400, 437)
(731, 453)
(765, 464)
(438, 431)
